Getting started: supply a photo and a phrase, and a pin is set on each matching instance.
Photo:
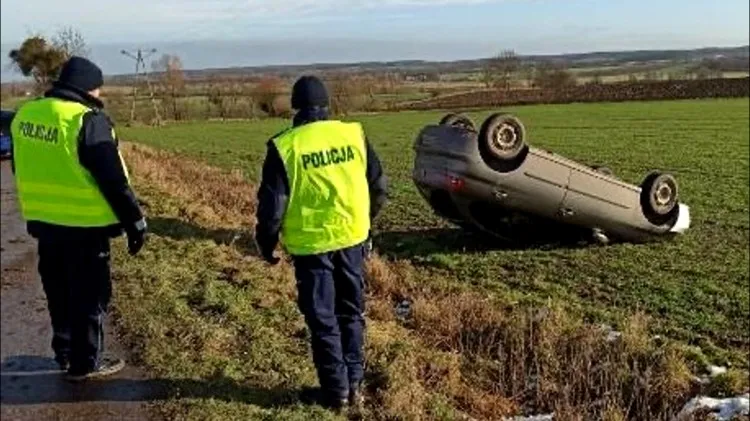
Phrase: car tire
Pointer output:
(659, 197)
(503, 136)
(458, 120)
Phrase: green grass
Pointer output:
(696, 288)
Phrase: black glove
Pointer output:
(136, 236)
(266, 248)
(271, 258)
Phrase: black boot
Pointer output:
(333, 402)
(329, 400)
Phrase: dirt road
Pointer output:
(32, 387)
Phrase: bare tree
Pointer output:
(508, 64)
(345, 90)
(596, 78)
(488, 72)
(528, 71)
(499, 70)
(268, 95)
(553, 76)
(706, 69)
(216, 98)
(71, 42)
(172, 80)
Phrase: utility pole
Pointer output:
(140, 63)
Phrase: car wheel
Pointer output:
(504, 136)
(603, 170)
(458, 120)
(659, 196)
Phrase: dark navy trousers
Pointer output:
(76, 278)
(330, 290)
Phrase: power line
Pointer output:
(140, 63)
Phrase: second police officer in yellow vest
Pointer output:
(74, 193)
(322, 183)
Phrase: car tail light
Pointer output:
(455, 183)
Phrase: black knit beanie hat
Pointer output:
(80, 73)
(309, 92)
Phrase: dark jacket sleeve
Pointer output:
(273, 194)
(98, 153)
(376, 181)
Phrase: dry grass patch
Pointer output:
(542, 360)
(216, 197)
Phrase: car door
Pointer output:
(596, 200)
(538, 187)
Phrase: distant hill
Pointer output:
(578, 60)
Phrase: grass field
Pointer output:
(198, 311)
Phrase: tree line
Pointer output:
(177, 97)
(502, 69)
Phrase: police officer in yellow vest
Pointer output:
(322, 183)
(74, 194)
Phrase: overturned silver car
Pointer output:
(492, 181)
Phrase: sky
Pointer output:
(225, 33)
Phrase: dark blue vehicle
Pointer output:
(6, 144)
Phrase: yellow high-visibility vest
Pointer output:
(53, 186)
(329, 201)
